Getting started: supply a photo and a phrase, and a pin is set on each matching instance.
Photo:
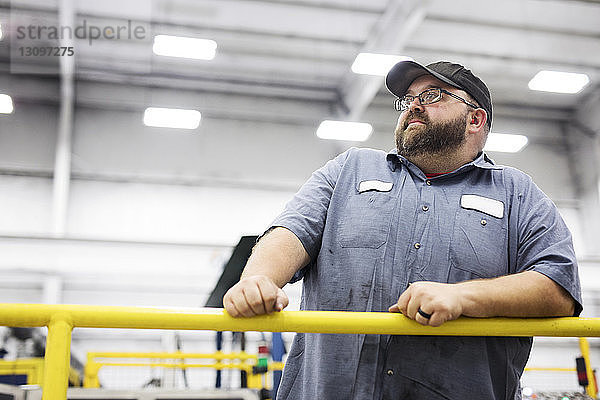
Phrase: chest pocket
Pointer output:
(479, 246)
(366, 221)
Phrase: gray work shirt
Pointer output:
(372, 223)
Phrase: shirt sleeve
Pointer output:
(545, 244)
(305, 214)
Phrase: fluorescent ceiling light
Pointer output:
(558, 82)
(341, 130)
(0, 32)
(6, 104)
(375, 64)
(185, 47)
(172, 118)
(505, 142)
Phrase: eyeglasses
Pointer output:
(428, 96)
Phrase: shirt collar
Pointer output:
(481, 161)
(484, 161)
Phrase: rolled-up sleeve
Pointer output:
(305, 214)
(545, 244)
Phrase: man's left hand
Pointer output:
(441, 301)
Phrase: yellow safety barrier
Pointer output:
(33, 368)
(60, 320)
(550, 369)
(246, 362)
(584, 346)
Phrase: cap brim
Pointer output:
(400, 77)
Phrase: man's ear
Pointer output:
(477, 120)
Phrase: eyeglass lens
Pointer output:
(426, 97)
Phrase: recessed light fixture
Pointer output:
(505, 142)
(558, 82)
(6, 104)
(184, 47)
(172, 118)
(342, 130)
(376, 64)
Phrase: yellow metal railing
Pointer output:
(238, 360)
(550, 369)
(61, 319)
(33, 369)
(584, 347)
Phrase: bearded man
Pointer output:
(434, 230)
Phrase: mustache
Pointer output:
(420, 115)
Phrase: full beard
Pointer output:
(431, 138)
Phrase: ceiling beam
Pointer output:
(362, 7)
(482, 56)
(159, 23)
(389, 36)
(241, 100)
(512, 26)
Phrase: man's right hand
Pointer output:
(254, 295)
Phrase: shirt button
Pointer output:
(425, 208)
(483, 222)
(417, 245)
(428, 182)
(390, 372)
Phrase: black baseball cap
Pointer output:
(404, 73)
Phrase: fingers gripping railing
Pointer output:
(61, 319)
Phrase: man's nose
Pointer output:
(414, 104)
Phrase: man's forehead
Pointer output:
(426, 82)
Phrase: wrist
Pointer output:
(470, 300)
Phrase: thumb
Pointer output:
(281, 301)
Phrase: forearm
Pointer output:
(278, 255)
(273, 262)
(526, 294)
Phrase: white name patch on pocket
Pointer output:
(379, 186)
(492, 207)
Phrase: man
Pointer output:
(434, 230)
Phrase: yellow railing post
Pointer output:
(584, 346)
(57, 359)
(90, 372)
(39, 373)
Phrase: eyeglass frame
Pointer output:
(398, 101)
